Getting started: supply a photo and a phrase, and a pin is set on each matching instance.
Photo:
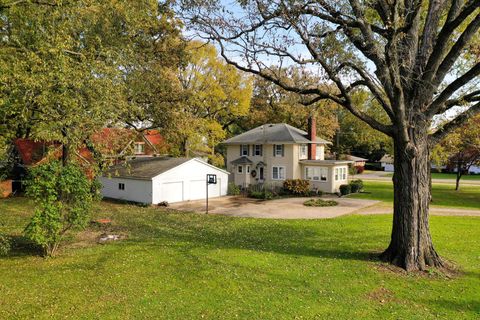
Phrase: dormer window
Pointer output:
(139, 147)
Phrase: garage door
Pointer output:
(172, 191)
(197, 189)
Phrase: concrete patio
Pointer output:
(289, 208)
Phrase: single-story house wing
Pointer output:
(157, 179)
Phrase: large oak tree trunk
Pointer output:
(411, 245)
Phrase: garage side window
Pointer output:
(121, 186)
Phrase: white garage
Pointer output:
(157, 179)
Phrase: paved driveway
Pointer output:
(290, 208)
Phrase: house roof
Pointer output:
(31, 152)
(145, 168)
(326, 162)
(273, 133)
(241, 160)
(154, 137)
(387, 159)
(355, 158)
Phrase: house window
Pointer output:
(278, 173)
(121, 186)
(316, 173)
(139, 147)
(248, 169)
(258, 149)
(240, 169)
(244, 150)
(340, 174)
(278, 150)
(303, 151)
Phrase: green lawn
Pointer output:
(447, 176)
(443, 195)
(453, 176)
(189, 266)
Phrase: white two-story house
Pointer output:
(272, 153)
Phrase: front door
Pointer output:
(261, 173)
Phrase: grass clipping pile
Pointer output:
(320, 203)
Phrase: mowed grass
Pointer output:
(443, 195)
(193, 266)
(446, 176)
(453, 176)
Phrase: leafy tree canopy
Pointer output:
(64, 64)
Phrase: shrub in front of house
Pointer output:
(345, 189)
(263, 195)
(233, 189)
(297, 187)
(320, 203)
(356, 185)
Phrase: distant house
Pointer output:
(28, 153)
(115, 144)
(358, 162)
(120, 143)
(386, 162)
(272, 153)
(157, 179)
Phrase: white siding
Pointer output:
(192, 176)
(387, 167)
(184, 182)
(135, 190)
(474, 169)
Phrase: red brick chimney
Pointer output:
(312, 136)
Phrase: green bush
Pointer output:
(5, 245)
(267, 195)
(256, 194)
(63, 198)
(356, 185)
(262, 194)
(320, 203)
(345, 189)
(233, 189)
(297, 187)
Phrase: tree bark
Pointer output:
(459, 175)
(411, 245)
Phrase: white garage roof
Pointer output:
(148, 168)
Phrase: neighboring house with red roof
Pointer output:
(114, 144)
(121, 143)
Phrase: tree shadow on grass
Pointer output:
(21, 247)
(261, 236)
(463, 306)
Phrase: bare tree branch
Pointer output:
(436, 106)
(457, 122)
